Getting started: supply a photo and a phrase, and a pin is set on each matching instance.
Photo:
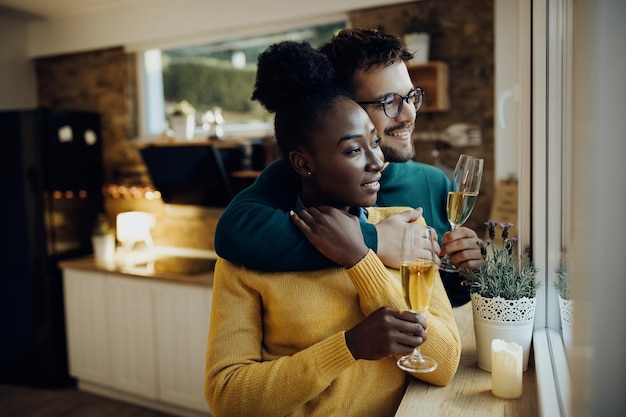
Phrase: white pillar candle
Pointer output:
(506, 369)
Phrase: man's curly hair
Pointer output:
(351, 50)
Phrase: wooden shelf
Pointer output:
(432, 77)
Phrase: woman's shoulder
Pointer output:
(230, 270)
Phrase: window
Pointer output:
(217, 79)
(544, 155)
(551, 193)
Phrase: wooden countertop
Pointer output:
(88, 264)
(469, 392)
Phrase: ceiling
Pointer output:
(55, 9)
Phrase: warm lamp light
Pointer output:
(133, 227)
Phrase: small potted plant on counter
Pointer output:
(103, 242)
(182, 120)
(504, 295)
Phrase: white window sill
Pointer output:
(553, 381)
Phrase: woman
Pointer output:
(320, 343)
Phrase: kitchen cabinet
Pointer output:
(182, 317)
(138, 340)
(86, 325)
(432, 77)
(131, 335)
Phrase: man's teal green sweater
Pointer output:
(256, 231)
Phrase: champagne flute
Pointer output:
(418, 271)
(462, 196)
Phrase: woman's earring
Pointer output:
(308, 173)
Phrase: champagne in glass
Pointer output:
(462, 196)
(460, 206)
(418, 280)
(418, 272)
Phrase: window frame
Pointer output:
(551, 160)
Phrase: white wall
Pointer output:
(17, 74)
(141, 24)
(158, 22)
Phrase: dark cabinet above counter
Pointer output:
(204, 173)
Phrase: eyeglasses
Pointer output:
(392, 102)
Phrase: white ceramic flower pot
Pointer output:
(497, 318)
(183, 126)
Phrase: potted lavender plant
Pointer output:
(504, 295)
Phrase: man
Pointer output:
(371, 65)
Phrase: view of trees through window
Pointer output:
(222, 74)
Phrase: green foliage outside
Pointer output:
(207, 83)
(204, 76)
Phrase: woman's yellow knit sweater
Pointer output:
(277, 346)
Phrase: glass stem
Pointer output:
(418, 353)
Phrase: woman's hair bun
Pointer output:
(289, 69)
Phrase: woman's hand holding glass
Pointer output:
(418, 272)
(386, 332)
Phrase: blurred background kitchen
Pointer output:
(110, 74)
(89, 91)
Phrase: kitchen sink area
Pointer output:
(179, 265)
(168, 260)
(169, 263)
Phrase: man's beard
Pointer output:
(394, 154)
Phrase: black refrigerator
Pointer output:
(51, 178)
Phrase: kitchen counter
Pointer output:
(469, 392)
(189, 266)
